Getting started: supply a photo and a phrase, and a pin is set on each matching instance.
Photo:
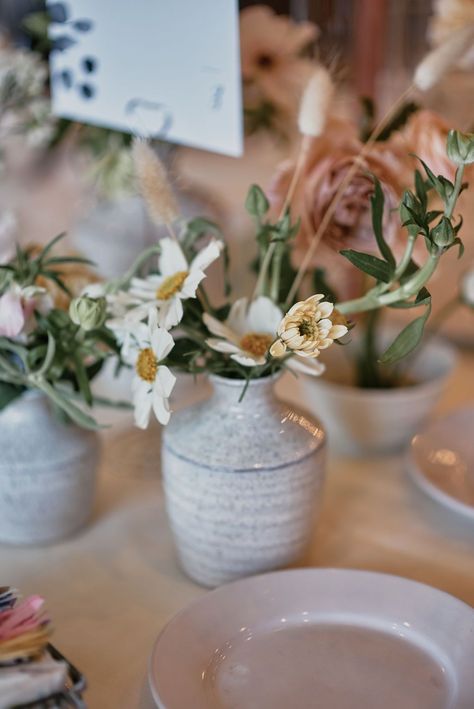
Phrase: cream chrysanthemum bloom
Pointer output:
(248, 332)
(307, 328)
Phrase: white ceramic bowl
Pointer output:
(373, 421)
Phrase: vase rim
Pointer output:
(227, 381)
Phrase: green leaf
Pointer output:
(256, 204)
(367, 263)
(420, 189)
(68, 259)
(407, 340)
(458, 226)
(377, 202)
(53, 276)
(459, 243)
(50, 246)
(432, 179)
(200, 226)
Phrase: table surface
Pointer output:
(111, 589)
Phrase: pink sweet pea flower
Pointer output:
(12, 315)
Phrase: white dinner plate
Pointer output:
(317, 639)
(441, 461)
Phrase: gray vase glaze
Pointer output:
(47, 473)
(242, 481)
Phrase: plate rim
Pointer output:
(424, 483)
(332, 570)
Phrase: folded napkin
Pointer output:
(24, 629)
(31, 681)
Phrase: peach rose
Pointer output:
(326, 167)
(328, 161)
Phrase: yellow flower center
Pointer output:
(256, 344)
(171, 285)
(147, 365)
(308, 328)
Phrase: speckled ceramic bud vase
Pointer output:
(47, 473)
(242, 481)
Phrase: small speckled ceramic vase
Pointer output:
(47, 473)
(242, 481)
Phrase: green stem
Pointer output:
(457, 189)
(136, 265)
(276, 275)
(368, 374)
(203, 297)
(373, 300)
(406, 258)
(260, 287)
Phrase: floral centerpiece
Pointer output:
(164, 321)
(51, 348)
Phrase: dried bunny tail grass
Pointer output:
(433, 67)
(153, 182)
(316, 103)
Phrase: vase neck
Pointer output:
(258, 394)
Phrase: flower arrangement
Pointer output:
(50, 340)
(165, 320)
(158, 317)
(411, 157)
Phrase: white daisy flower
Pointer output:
(153, 381)
(177, 281)
(248, 333)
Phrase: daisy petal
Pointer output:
(247, 361)
(162, 343)
(165, 381)
(222, 345)
(188, 289)
(161, 408)
(142, 401)
(218, 328)
(263, 316)
(205, 257)
(237, 320)
(172, 258)
(171, 312)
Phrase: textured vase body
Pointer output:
(242, 481)
(47, 473)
